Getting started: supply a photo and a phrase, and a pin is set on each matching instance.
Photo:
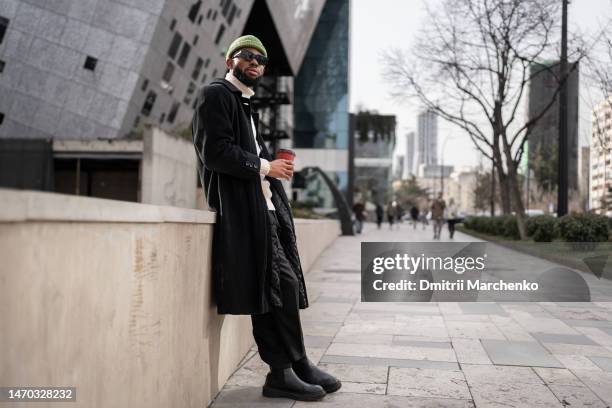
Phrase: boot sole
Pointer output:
(332, 387)
(279, 393)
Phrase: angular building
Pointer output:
(105, 70)
(544, 137)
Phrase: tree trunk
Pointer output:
(517, 197)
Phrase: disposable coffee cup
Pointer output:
(285, 154)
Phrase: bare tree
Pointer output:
(472, 64)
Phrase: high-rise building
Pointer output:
(544, 135)
(427, 134)
(410, 156)
(600, 196)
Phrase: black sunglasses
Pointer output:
(248, 56)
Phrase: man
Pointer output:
(360, 216)
(255, 262)
(437, 215)
(414, 215)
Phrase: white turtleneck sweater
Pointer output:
(264, 168)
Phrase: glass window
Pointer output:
(219, 34)
(232, 14)
(184, 55)
(197, 69)
(174, 45)
(149, 102)
(4, 22)
(194, 10)
(90, 63)
(167, 76)
(226, 7)
(173, 112)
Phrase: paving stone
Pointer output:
(363, 388)
(426, 382)
(320, 328)
(470, 351)
(396, 352)
(410, 341)
(335, 299)
(577, 396)
(317, 341)
(578, 349)
(605, 363)
(574, 362)
(519, 353)
(483, 308)
(368, 338)
(588, 323)
(372, 361)
(599, 382)
(474, 330)
(343, 400)
(557, 376)
(357, 373)
(248, 397)
(563, 338)
(499, 386)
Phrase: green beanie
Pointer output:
(246, 41)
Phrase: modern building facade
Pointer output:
(544, 136)
(373, 164)
(321, 95)
(427, 143)
(600, 196)
(86, 70)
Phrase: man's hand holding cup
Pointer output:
(282, 167)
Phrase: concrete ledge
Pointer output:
(24, 205)
(115, 299)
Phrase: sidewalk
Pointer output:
(494, 354)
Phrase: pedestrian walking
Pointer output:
(424, 218)
(391, 212)
(255, 261)
(437, 215)
(399, 214)
(414, 215)
(451, 217)
(360, 216)
(380, 213)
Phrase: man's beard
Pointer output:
(244, 78)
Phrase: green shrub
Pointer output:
(544, 228)
(584, 228)
(510, 227)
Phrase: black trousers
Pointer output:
(278, 333)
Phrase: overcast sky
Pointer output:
(383, 24)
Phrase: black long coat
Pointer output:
(229, 171)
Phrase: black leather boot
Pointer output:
(283, 383)
(314, 375)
